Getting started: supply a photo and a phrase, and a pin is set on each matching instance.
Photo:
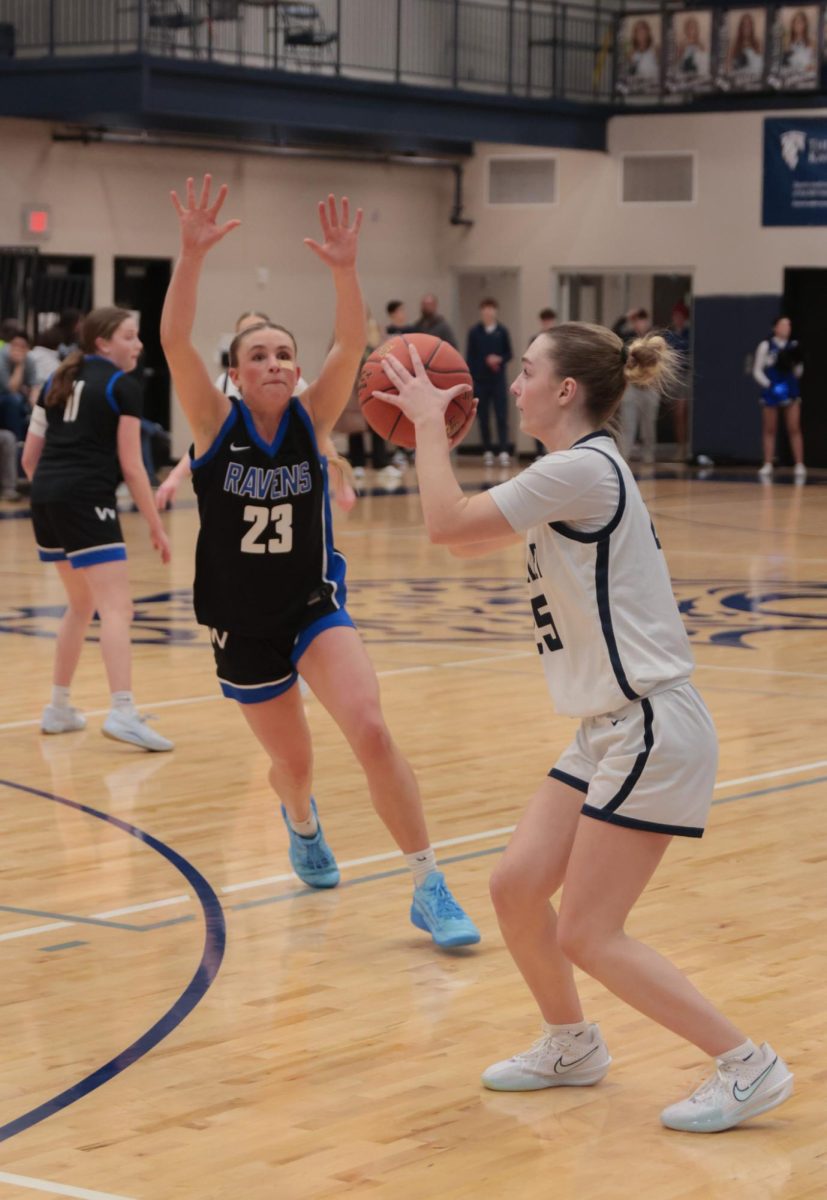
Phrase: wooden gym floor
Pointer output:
(332, 1051)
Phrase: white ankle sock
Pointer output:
(739, 1052)
(123, 702)
(308, 828)
(421, 862)
(574, 1027)
(60, 697)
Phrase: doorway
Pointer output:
(62, 281)
(805, 303)
(141, 285)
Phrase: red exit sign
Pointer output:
(37, 221)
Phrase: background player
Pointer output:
(269, 581)
(87, 423)
(642, 766)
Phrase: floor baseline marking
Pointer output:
(57, 1189)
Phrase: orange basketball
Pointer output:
(445, 367)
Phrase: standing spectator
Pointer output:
(431, 321)
(778, 369)
(489, 350)
(678, 338)
(639, 407)
(64, 335)
(18, 375)
(547, 319)
(397, 317)
(8, 466)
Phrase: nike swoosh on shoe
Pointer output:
(742, 1094)
(561, 1067)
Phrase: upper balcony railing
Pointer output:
(651, 53)
(535, 48)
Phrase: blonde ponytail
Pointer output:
(650, 363)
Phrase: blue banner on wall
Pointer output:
(795, 171)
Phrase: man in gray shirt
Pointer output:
(430, 321)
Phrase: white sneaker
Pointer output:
(132, 727)
(766, 471)
(400, 459)
(738, 1090)
(358, 472)
(800, 473)
(390, 472)
(504, 459)
(61, 720)
(555, 1060)
(488, 459)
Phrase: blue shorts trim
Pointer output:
(257, 692)
(95, 555)
(570, 780)
(340, 618)
(614, 818)
(45, 555)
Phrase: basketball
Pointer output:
(445, 368)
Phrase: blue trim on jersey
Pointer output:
(338, 619)
(232, 417)
(110, 395)
(334, 566)
(601, 570)
(601, 584)
(96, 554)
(274, 447)
(570, 780)
(258, 693)
(640, 762)
(578, 535)
(588, 437)
(633, 823)
(51, 555)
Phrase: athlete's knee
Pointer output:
(581, 940)
(293, 769)
(370, 737)
(82, 609)
(511, 894)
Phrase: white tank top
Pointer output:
(606, 622)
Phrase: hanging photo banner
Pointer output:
(742, 48)
(794, 49)
(689, 52)
(795, 171)
(639, 47)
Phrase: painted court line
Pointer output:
(389, 856)
(57, 1189)
(151, 705)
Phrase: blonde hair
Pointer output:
(597, 359)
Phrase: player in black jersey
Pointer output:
(269, 582)
(87, 423)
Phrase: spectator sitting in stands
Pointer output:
(63, 335)
(397, 317)
(18, 376)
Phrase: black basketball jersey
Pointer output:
(79, 459)
(265, 551)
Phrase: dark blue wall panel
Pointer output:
(726, 422)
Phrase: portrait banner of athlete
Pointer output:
(446, 369)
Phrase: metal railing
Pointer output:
(533, 48)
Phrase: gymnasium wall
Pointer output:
(110, 201)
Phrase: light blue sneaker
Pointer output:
(311, 857)
(436, 911)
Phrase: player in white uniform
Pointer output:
(641, 768)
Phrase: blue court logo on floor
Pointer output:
(729, 612)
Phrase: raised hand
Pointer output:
(200, 230)
(341, 238)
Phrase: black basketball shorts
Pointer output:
(84, 532)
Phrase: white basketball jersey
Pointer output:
(606, 622)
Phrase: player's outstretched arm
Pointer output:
(451, 517)
(327, 396)
(205, 406)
